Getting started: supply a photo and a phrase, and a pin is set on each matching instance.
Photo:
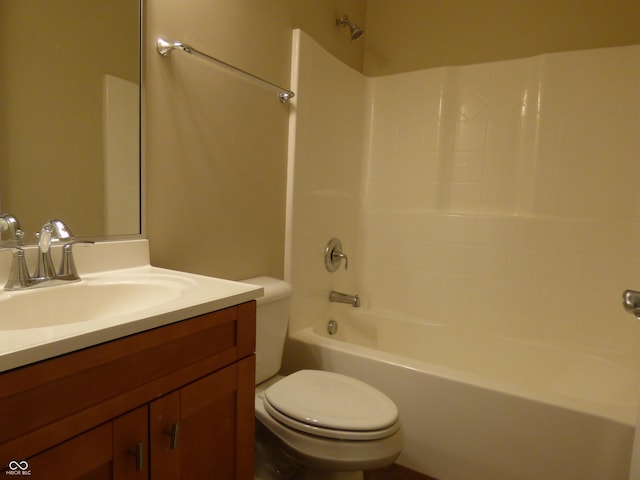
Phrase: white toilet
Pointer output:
(314, 424)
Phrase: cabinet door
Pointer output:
(131, 445)
(164, 435)
(104, 453)
(205, 430)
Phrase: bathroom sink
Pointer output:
(88, 300)
(39, 323)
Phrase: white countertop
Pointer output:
(24, 344)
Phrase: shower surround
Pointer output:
(500, 197)
(508, 194)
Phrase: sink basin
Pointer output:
(88, 300)
(40, 323)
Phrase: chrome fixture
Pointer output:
(45, 274)
(10, 224)
(165, 48)
(52, 230)
(332, 327)
(338, 297)
(354, 30)
(19, 274)
(333, 255)
(67, 270)
(631, 302)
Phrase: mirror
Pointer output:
(70, 115)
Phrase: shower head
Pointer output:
(355, 31)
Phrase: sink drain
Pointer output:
(332, 327)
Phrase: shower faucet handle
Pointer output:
(333, 255)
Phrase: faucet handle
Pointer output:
(333, 255)
(9, 223)
(19, 274)
(338, 255)
(67, 268)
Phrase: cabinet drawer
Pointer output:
(44, 403)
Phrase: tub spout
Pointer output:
(338, 297)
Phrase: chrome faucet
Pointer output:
(10, 224)
(338, 297)
(45, 274)
(53, 230)
(44, 269)
(67, 270)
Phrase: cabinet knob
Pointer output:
(173, 433)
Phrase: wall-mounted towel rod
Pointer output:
(165, 48)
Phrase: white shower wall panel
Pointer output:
(552, 135)
(326, 140)
(507, 193)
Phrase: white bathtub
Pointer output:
(477, 406)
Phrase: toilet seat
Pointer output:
(331, 405)
(329, 433)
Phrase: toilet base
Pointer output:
(273, 463)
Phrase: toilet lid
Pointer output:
(326, 401)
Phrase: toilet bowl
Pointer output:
(322, 424)
(328, 421)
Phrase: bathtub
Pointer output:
(476, 406)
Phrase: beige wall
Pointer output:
(415, 34)
(216, 145)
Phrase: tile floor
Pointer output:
(395, 472)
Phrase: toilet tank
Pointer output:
(272, 318)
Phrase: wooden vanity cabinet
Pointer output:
(176, 402)
(115, 449)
